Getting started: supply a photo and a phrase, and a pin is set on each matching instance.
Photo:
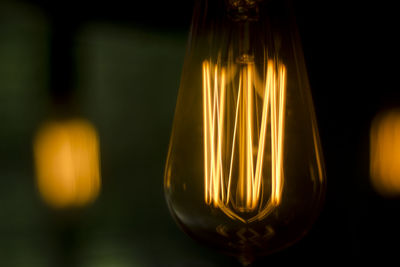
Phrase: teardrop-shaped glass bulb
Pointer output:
(244, 172)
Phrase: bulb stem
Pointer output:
(244, 41)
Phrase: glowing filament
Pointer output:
(236, 154)
(67, 163)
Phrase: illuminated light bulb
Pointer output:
(385, 153)
(67, 163)
(244, 172)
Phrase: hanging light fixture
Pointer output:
(244, 172)
(66, 145)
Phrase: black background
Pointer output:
(351, 55)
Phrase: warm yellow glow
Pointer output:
(236, 153)
(385, 153)
(67, 163)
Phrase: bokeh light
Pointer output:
(67, 163)
(385, 153)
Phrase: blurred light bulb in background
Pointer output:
(385, 153)
(67, 163)
(244, 172)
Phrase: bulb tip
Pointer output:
(246, 259)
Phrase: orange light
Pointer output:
(385, 153)
(67, 163)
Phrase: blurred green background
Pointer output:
(127, 80)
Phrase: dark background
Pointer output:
(124, 59)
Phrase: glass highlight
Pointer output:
(244, 171)
(385, 153)
(67, 163)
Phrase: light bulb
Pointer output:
(244, 172)
(67, 163)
